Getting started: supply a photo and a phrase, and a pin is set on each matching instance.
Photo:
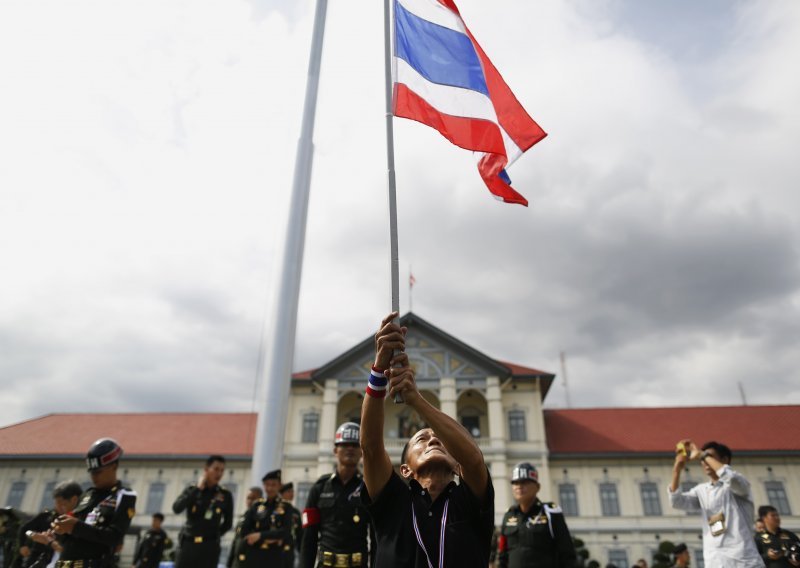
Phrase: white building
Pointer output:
(608, 468)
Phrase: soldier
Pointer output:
(287, 495)
(533, 533)
(37, 542)
(266, 528)
(153, 544)
(336, 523)
(680, 555)
(94, 530)
(253, 494)
(775, 543)
(209, 515)
(9, 526)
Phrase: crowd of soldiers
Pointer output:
(85, 529)
(365, 513)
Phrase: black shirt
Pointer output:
(209, 512)
(536, 538)
(105, 516)
(38, 552)
(151, 548)
(336, 518)
(781, 542)
(468, 531)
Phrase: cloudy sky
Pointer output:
(147, 152)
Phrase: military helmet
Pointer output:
(103, 452)
(347, 433)
(524, 472)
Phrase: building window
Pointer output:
(609, 502)
(686, 486)
(776, 495)
(651, 504)
(47, 496)
(516, 426)
(16, 494)
(301, 494)
(155, 497)
(310, 427)
(618, 558)
(568, 498)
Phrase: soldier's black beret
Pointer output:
(275, 474)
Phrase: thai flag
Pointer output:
(443, 78)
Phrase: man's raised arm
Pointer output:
(377, 465)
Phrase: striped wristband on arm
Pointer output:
(376, 387)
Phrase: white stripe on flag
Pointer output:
(454, 101)
(512, 150)
(434, 12)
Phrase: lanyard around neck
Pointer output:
(441, 534)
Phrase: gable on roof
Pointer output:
(433, 352)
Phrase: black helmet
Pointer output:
(103, 452)
(524, 472)
(347, 433)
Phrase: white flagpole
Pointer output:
(393, 248)
(279, 353)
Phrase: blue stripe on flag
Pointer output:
(503, 175)
(439, 54)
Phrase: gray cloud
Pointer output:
(659, 250)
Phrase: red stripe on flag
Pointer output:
(469, 133)
(450, 4)
(489, 167)
(514, 119)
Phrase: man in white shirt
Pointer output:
(726, 503)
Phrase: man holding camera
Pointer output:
(725, 501)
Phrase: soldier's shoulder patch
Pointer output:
(552, 508)
(131, 512)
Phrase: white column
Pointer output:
(327, 425)
(447, 396)
(502, 488)
(497, 430)
(277, 371)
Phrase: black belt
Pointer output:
(199, 539)
(90, 563)
(342, 560)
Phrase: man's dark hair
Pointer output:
(214, 458)
(723, 451)
(764, 510)
(158, 516)
(257, 490)
(67, 490)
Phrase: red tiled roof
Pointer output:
(656, 430)
(158, 434)
(520, 370)
(303, 375)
